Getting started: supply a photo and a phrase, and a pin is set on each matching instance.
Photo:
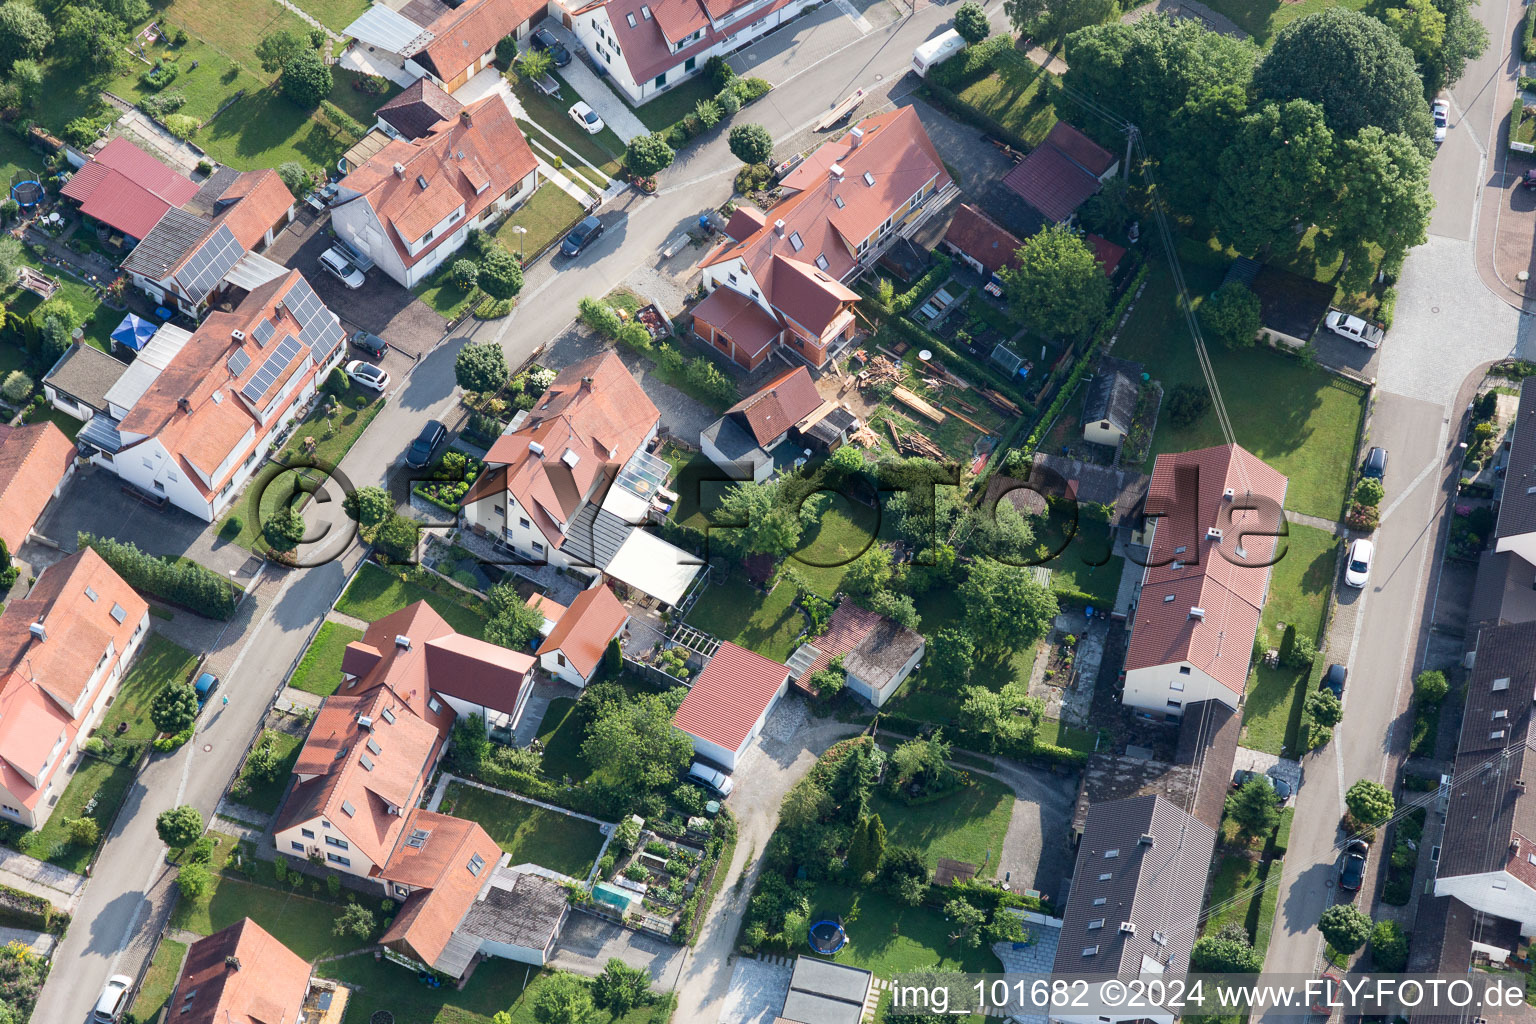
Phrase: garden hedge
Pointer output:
(177, 580)
(1528, 35)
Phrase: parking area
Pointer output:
(588, 941)
(380, 306)
(1515, 239)
(757, 992)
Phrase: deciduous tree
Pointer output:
(647, 155)
(1226, 952)
(179, 827)
(275, 50)
(306, 79)
(1231, 315)
(1381, 195)
(971, 22)
(750, 143)
(1273, 175)
(1058, 286)
(174, 708)
(500, 276)
(481, 366)
(1005, 606)
(633, 747)
(24, 32)
(564, 999)
(1369, 802)
(1345, 927)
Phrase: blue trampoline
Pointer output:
(134, 332)
(26, 190)
(827, 937)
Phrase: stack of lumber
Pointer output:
(912, 401)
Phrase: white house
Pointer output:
(877, 653)
(729, 701)
(412, 204)
(573, 649)
(446, 44)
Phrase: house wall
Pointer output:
(1150, 689)
(295, 843)
(550, 661)
(878, 696)
(1523, 544)
(150, 467)
(1494, 892)
(728, 758)
(746, 469)
(1103, 432)
(67, 404)
(359, 226)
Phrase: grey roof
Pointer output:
(208, 193)
(85, 373)
(1505, 591)
(1489, 803)
(831, 427)
(101, 431)
(176, 235)
(527, 914)
(883, 652)
(1208, 736)
(1111, 394)
(1147, 861)
(733, 441)
(1517, 505)
(594, 536)
(821, 992)
(422, 105)
(1124, 489)
(1441, 943)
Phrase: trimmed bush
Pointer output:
(178, 581)
(971, 64)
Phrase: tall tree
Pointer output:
(1345, 927)
(274, 51)
(1005, 606)
(24, 32)
(564, 999)
(1355, 68)
(1465, 39)
(1273, 175)
(1421, 27)
(481, 366)
(971, 22)
(179, 827)
(867, 847)
(1197, 134)
(1058, 288)
(1381, 195)
(1369, 802)
(754, 521)
(750, 143)
(87, 37)
(633, 747)
(306, 79)
(1252, 807)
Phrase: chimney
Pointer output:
(400, 170)
(183, 405)
(586, 382)
(836, 170)
(1146, 839)
(536, 447)
(1196, 612)
(466, 119)
(364, 722)
(237, 336)
(778, 227)
(39, 631)
(1229, 494)
(1128, 927)
(1213, 533)
(279, 308)
(232, 962)
(855, 136)
(402, 641)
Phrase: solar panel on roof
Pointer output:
(273, 368)
(264, 331)
(212, 260)
(237, 363)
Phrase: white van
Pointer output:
(718, 781)
(341, 268)
(935, 51)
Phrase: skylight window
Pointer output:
(388, 716)
(839, 201)
(869, 179)
(347, 808)
(631, 19)
(821, 262)
(366, 762)
(373, 745)
(90, 593)
(119, 613)
(645, 12)
(796, 241)
(476, 865)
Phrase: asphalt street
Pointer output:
(1447, 325)
(813, 63)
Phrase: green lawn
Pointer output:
(105, 781)
(547, 215)
(1299, 585)
(360, 103)
(298, 922)
(889, 939)
(1073, 572)
(376, 592)
(530, 834)
(967, 826)
(676, 103)
(266, 796)
(16, 156)
(495, 987)
(334, 14)
(334, 436)
(940, 610)
(441, 295)
(1263, 18)
(97, 320)
(160, 664)
(320, 670)
(560, 732)
(603, 150)
(1301, 420)
(63, 420)
(1055, 731)
(1254, 910)
(160, 980)
(233, 27)
(1019, 98)
(738, 612)
(844, 532)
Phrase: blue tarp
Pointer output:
(134, 332)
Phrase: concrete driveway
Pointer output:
(588, 942)
(758, 989)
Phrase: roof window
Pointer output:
(1502, 683)
(631, 19)
(1090, 951)
(821, 261)
(1096, 923)
(119, 613)
(90, 593)
(839, 201)
(796, 241)
(476, 864)
(366, 762)
(1111, 854)
(347, 808)
(373, 745)
(869, 179)
(388, 716)
(645, 12)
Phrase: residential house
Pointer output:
(1449, 938)
(127, 189)
(1120, 495)
(573, 649)
(1135, 901)
(63, 650)
(729, 701)
(821, 992)
(417, 111)
(1106, 254)
(648, 48)
(780, 285)
(572, 483)
(742, 441)
(240, 975)
(1488, 850)
(189, 425)
(1062, 173)
(412, 204)
(877, 653)
(36, 461)
(1516, 527)
(981, 243)
(78, 383)
(1109, 401)
(207, 245)
(447, 43)
(1217, 512)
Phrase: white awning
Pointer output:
(253, 271)
(388, 30)
(146, 366)
(650, 564)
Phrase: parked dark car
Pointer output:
(370, 343)
(545, 40)
(1375, 464)
(420, 452)
(1333, 680)
(1243, 776)
(581, 236)
(1352, 869)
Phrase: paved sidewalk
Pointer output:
(610, 106)
(61, 888)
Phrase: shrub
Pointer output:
(751, 89)
(1369, 492)
(179, 581)
(500, 276)
(159, 76)
(81, 132)
(971, 23)
(708, 113)
(751, 144)
(17, 387)
(1302, 654)
(84, 831)
(647, 154)
(1364, 518)
(728, 101)
(1430, 687)
(600, 317)
(179, 827)
(174, 708)
(971, 64)
(1528, 36)
(719, 71)
(195, 882)
(506, 51)
(706, 377)
(1389, 946)
(464, 274)
(1231, 315)
(753, 178)
(295, 176)
(162, 105)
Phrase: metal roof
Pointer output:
(144, 370)
(594, 536)
(100, 431)
(171, 239)
(389, 30)
(253, 270)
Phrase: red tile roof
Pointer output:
(113, 198)
(594, 414)
(254, 203)
(493, 148)
(268, 986)
(146, 171)
(464, 35)
(778, 405)
(739, 318)
(746, 220)
(848, 628)
(729, 696)
(1061, 173)
(1187, 492)
(438, 870)
(1107, 253)
(982, 239)
(33, 461)
(645, 46)
(583, 630)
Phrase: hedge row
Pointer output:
(1028, 750)
(971, 64)
(957, 108)
(177, 580)
(1518, 110)
(1081, 367)
(1528, 35)
(936, 275)
(23, 910)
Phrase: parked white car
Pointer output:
(113, 1000)
(1354, 328)
(718, 781)
(1441, 109)
(1357, 571)
(367, 375)
(586, 117)
(335, 261)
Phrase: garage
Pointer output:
(729, 702)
